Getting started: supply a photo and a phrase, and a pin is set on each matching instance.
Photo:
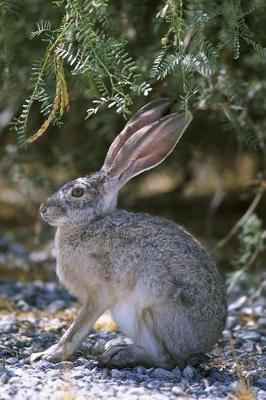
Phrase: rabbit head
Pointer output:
(147, 139)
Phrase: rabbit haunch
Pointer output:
(163, 290)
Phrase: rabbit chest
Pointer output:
(78, 266)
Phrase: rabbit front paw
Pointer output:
(54, 354)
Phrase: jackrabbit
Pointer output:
(163, 290)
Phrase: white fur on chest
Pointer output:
(125, 316)
(127, 312)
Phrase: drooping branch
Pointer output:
(244, 217)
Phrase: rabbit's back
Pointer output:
(153, 240)
(129, 249)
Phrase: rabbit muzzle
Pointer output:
(51, 213)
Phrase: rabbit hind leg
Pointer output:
(181, 334)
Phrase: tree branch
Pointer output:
(244, 217)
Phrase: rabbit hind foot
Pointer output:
(123, 354)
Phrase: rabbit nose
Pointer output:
(43, 208)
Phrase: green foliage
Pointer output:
(7, 9)
(207, 81)
(99, 60)
(252, 241)
(191, 49)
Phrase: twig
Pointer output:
(215, 203)
(244, 217)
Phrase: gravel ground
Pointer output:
(34, 315)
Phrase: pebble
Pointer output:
(5, 352)
(262, 363)
(250, 335)
(161, 373)
(82, 378)
(140, 370)
(252, 374)
(5, 375)
(18, 249)
(43, 364)
(248, 347)
(63, 365)
(261, 395)
(23, 306)
(189, 373)
(218, 376)
(262, 322)
(81, 361)
(99, 347)
(261, 382)
(237, 304)
(231, 322)
(177, 373)
(8, 324)
(178, 391)
(118, 374)
(56, 306)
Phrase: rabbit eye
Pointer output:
(77, 192)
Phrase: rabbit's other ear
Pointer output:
(148, 114)
(148, 147)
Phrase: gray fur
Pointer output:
(163, 290)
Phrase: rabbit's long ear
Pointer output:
(148, 147)
(148, 114)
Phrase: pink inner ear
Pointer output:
(147, 115)
(128, 131)
(125, 135)
(152, 154)
(149, 146)
(157, 149)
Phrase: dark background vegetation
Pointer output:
(207, 55)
